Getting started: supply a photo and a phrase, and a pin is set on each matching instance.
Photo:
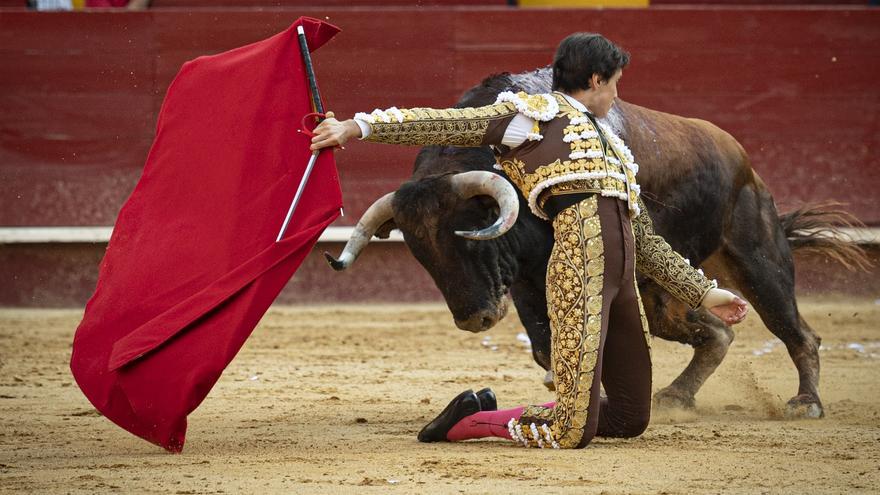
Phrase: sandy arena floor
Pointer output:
(329, 400)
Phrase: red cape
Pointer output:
(192, 264)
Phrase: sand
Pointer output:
(329, 399)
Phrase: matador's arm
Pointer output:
(510, 121)
(656, 259)
(478, 126)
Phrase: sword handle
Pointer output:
(310, 70)
(318, 116)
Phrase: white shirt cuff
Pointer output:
(717, 297)
(366, 130)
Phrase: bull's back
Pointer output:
(690, 173)
(669, 147)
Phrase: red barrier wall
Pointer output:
(80, 92)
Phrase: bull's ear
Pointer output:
(385, 229)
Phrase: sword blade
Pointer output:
(298, 195)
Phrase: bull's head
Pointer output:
(451, 223)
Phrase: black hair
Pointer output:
(580, 55)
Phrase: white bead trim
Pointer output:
(379, 114)
(552, 181)
(568, 137)
(547, 441)
(396, 113)
(511, 429)
(629, 161)
(383, 116)
(365, 117)
(548, 436)
(613, 194)
(520, 436)
(536, 436)
(522, 105)
(576, 155)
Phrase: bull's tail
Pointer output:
(819, 229)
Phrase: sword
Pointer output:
(299, 191)
(319, 114)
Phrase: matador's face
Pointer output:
(602, 93)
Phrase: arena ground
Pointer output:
(329, 399)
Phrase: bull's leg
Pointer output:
(804, 351)
(709, 336)
(774, 300)
(531, 306)
(761, 262)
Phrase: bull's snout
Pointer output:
(483, 319)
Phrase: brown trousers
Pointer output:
(624, 363)
(599, 333)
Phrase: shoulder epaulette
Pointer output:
(541, 107)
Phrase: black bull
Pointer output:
(704, 198)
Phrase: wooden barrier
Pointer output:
(80, 92)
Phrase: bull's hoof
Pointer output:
(804, 406)
(673, 398)
(548, 381)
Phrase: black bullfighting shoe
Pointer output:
(464, 404)
(487, 400)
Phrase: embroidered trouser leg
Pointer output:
(598, 332)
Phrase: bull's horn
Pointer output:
(478, 182)
(377, 214)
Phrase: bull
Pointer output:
(702, 194)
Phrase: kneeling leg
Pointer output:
(626, 369)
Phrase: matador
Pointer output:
(578, 174)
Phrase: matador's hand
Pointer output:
(726, 305)
(732, 312)
(331, 132)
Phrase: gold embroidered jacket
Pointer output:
(566, 152)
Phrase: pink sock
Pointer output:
(486, 424)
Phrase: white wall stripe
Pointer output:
(42, 235)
